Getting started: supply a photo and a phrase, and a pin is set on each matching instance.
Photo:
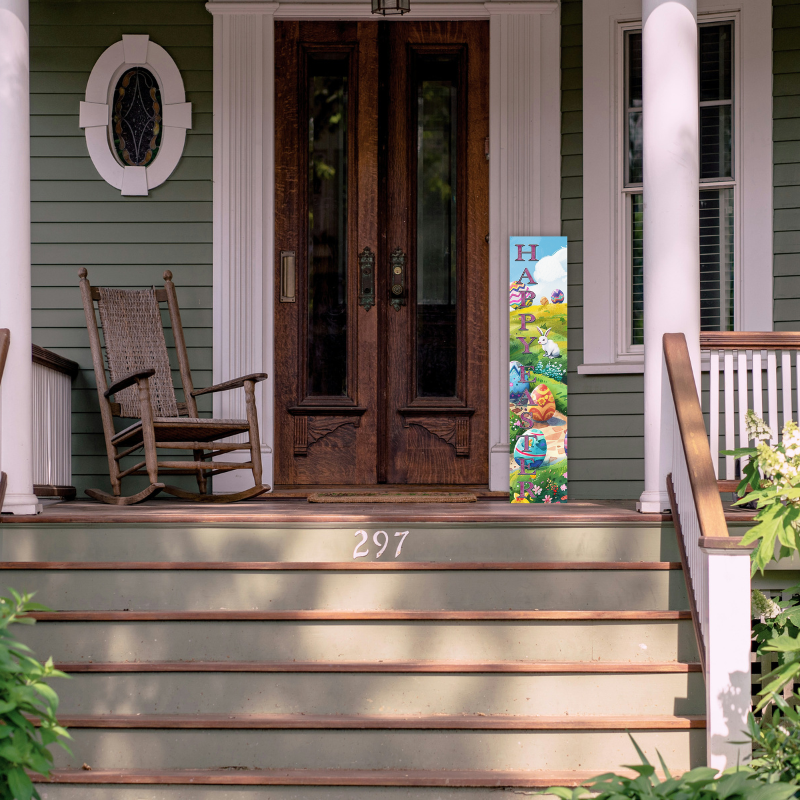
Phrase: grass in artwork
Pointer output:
(548, 481)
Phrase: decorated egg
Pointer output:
(544, 403)
(557, 296)
(530, 450)
(544, 301)
(565, 443)
(517, 385)
(520, 296)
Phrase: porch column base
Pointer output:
(22, 504)
(498, 467)
(653, 503)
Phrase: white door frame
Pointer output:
(524, 183)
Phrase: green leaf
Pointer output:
(20, 784)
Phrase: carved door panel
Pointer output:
(381, 275)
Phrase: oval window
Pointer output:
(136, 123)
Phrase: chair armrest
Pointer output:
(236, 383)
(128, 380)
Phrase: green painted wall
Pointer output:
(606, 419)
(79, 220)
(786, 158)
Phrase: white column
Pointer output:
(16, 420)
(671, 219)
(524, 177)
(244, 187)
(728, 637)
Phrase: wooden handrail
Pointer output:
(749, 340)
(694, 438)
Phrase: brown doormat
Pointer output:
(392, 497)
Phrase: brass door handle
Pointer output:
(397, 284)
(288, 276)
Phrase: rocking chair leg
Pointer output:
(255, 437)
(202, 481)
(148, 433)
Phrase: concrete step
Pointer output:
(567, 693)
(300, 784)
(460, 542)
(347, 589)
(642, 637)
(378, 749)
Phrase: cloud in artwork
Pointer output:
(551, 268)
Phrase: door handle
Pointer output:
(288, 276)
(366, 264)
(397, 284)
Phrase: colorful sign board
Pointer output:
(537, 376)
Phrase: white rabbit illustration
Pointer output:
(549, 347)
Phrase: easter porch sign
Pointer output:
(537, 375)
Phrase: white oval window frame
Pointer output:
(95, 114)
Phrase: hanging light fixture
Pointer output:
(386, 7)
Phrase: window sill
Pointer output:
(632, 368)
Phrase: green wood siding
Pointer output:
(79, 220)
(606, 412)
(786, 159)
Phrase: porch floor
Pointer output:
(286, 510)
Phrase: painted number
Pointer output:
(381, 540)
(359, 553)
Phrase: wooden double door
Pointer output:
(382, 245)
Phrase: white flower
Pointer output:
(763, 606)
(756, 427)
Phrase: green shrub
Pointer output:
(24, 694)
(776, 743)
(697, 784)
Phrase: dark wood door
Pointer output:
(382, 275)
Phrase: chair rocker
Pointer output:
(141, 383)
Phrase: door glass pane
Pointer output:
(327, 225)
(437, 158)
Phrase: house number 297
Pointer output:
(381, 539)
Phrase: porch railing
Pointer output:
(52, 424)
(716, 567)
(748, 370)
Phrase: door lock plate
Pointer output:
(398, 282)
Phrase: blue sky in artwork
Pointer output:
(549, 271)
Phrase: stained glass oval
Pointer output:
(136, 122)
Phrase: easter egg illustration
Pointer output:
(517, 385)
(544, 301)
(557, 296)
(520, 296)
(565, 443)
(544, 403)
(530, 450)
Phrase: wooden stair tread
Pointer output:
(356, 616)
(354, 566)
(419, 666)
(380, 722)
(237, 776)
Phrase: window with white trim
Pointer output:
(717, 179)
(735, 190)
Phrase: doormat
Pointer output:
(392, 497)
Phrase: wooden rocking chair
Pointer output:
(141, 382)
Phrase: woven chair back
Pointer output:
(134, 341)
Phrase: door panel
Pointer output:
(382, 197)
(437, 212)
(326, 200)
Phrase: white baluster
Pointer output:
(713, 388)
(730, 465)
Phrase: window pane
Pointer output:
(716, 260)
(637, 271)
(327, 226)
(437, 118)
(716, 64)
(715, 142)
(633, 105)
